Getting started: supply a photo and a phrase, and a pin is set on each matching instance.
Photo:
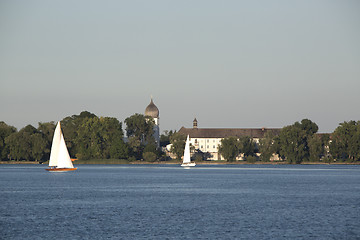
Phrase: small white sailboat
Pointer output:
(186, 160)
(59, 156)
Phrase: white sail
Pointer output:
(53, 162)
(187, 151)
(59, 156)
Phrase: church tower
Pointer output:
(152, 111)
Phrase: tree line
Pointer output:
(88, 136)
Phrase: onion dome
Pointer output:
(151, 110)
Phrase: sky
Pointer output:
(230, 64)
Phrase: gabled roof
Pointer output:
(227, 132)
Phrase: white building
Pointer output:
(207, 140)
(152, 111)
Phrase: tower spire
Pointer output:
(195, 123)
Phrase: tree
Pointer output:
(308, 126)
(111, 133)
(149, 156)
(165, 137)
(293, 144)
(247, 146)
(317, 145)
(135, 146)
(118, 149)
(47, 132)
(178, 144)
(100, 138)
(229, 148)
(70, 126)
(27, 144)
(345, 141)
(39, 147)
(47, 129)
(5, 131)
(140, 132)
(150, 152)
(293, 141)
(140, 127)
(267, 146)
(151, 147)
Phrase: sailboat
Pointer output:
(59, 156)
(186, 160)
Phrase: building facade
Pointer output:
(207, 140)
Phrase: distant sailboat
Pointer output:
(186, 160)
(59, 156)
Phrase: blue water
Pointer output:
(168, 202)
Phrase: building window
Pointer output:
(202, 146)
(213, 146)
(208, 140)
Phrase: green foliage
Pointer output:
(247, 146)
(317, 146)
(135, 147)
(293, 144)
(316, 149)
(150, 153)
(198, 157)
(230, 148)
(140, 131)
(267, 146)
(251, 159)
(39, 147)
(28, 144)
(293, 141)
(308, 126)
(140, 127)
(345, 144)
(89, 140)
(5, 131)
(47, 129)
(178, 144)
(70, 126)
(165, 137)
(151, 147)
(86, 136)
(118, 149)
(100, 138)
(149, 156)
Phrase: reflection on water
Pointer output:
(167, 201)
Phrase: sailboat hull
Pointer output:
(60, 169)
(190, 164)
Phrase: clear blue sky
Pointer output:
(236, 63)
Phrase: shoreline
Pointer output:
(177, 162)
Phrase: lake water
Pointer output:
(169, 202)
